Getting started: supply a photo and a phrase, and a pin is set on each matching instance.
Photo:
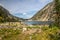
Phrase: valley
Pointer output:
(40, 27)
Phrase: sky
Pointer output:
(24, 8)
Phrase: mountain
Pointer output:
(25, 15)
(5, 16)
(45, 14)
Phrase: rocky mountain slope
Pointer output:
(45, 14)
(5, 16)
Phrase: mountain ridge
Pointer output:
(5, 16)
(45, 13)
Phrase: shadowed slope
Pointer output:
(5, 16)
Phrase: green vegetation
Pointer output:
(9, 33)
(33, 27)
(16, 34)
(57, 9)
(5, 16)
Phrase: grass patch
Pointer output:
(8, 33)
(46, 33)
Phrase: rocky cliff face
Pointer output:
(5, 16)
(45, 14)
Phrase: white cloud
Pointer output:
(24, 6)
(24, 13)
(43, 1)
(1, 5)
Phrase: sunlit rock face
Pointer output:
(45, 14)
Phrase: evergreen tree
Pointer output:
(57, 9)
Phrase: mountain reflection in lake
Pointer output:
(38, 22)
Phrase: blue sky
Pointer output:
(24, 8)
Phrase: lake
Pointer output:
(38, 22)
